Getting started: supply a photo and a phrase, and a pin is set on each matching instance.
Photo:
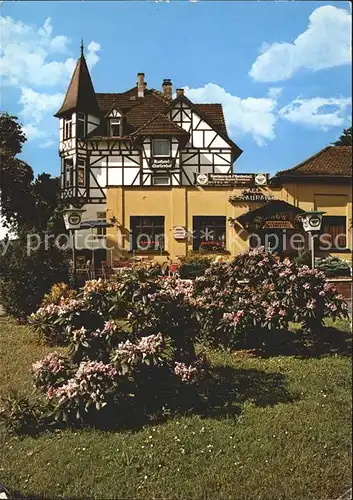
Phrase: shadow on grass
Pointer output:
(298, 343)
(220, 395)
(229, 388)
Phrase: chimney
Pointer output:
(141, 85)
(167, 87)
(179, 92)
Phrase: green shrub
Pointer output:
(333, 266)
(18, 415)
(194, 264)
(25, 279)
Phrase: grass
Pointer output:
(285, 434)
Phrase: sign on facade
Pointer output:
(233, 180)
(162, 163)
(251, 195)
(180, 232)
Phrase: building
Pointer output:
(157, 169)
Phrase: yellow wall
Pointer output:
(179, 204)
(333, 199)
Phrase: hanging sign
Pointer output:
(180, 232)
(72, 218)
(234, 180)
(312, 220)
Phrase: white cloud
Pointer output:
(34, 56)
(37, 104)
(324, 44)
(32, 132)
(274, 92)
(255, 116)
(319, 112)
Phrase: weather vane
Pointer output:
(82, 46)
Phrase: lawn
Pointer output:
(284, 434)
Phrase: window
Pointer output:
(67, 128)
(68, 172)
(209, 233)
(147, 233)
(102, 230)
(333, 232)
(115, 127)
(161, 147)
(81, 126)
(81, 172)
(160, 180)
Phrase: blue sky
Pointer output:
(280, 69)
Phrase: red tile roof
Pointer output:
(214, 113)
(332, 161)
(136, 111)
(160, 125)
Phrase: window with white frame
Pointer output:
(115, 127)
(160, 147)
(67, 128)
(68, 172)
(81, 126)
(81, 172)
(161, 180)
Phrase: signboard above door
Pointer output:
(232, 180)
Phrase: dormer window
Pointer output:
(81, 126)
(115, 127)
(67, 128)
(160, 147)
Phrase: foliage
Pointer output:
(255, 293)
(194, 264)
(58, 292)
(132, 338)
(12, 136)
(25, 203)
(333, 266)
(25, 276)
(345, 139)
(118, 364)
(18, 415)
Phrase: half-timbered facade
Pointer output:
(141, 137)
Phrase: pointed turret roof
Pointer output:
(80, 94)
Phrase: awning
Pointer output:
(275, 214)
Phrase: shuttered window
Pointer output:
(333, 232)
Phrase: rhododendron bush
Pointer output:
(132, 338)
(255, 293)
(131, 348)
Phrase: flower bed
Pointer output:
(132, 338)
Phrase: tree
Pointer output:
(12, 136)
(345, 139)
(26, 203)
(30, 207)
